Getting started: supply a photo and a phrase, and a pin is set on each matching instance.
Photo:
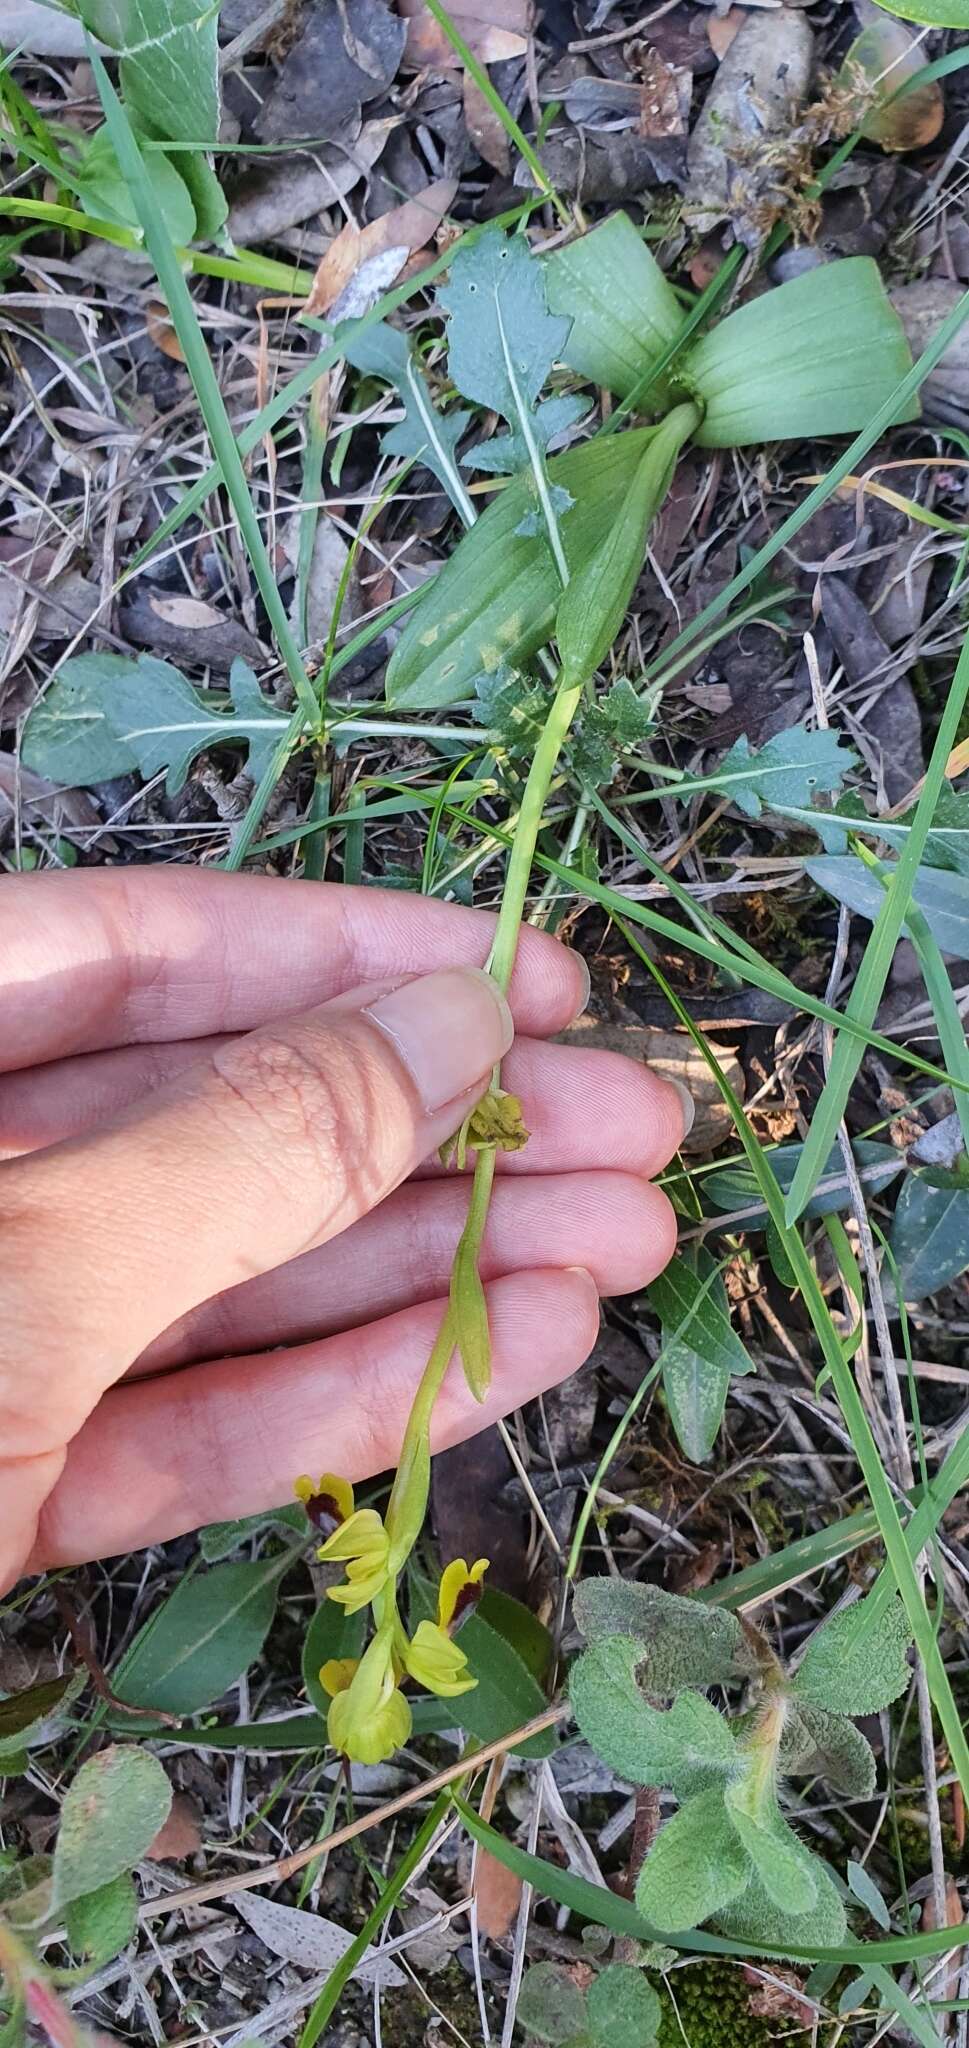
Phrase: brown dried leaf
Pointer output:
(953, 1918)
(160, 330)
(179, 1836)
(484, 128)
(498, 1892)
(493, 31)
(885, 54)
(190, 614)
(394, 234)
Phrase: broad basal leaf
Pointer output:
(788, 770)
(929, 1237)
(624, 315)
(201, 1639)
(104, 192)
(424, 433)
(753, 1916)
(111, 1814)
(682, 1643)
(817, 355)
(695, 1867)
(493, 604)
(104, 715)
(169, 77)
(502, 340)
(684, 1747)
(856, 1665)
(942, 898)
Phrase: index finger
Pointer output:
(121, 956)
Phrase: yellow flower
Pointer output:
(337, 1674)
(368, 1718)
(328, 1500)
(459, 1590)
(436, 1662)
(362, 1543)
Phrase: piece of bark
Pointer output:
(738, 154)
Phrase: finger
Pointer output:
(582, 1107)
(621, 1229)
(119, 955)
(278, 1141)
(226, 1439)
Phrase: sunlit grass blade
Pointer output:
(879, 953)
(199, 365)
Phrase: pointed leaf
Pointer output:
(696, 1396)
(682, 1643)
(683, 1747)
(686, 1291)
(855, 1664)
(695, 1867)
(201, 1639)
(929, 1237)
(942, 898)
(111, 1814)
(734, 1187)
(788, 770)
(868, 1894)
(817, 355)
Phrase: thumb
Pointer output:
(274, 1143)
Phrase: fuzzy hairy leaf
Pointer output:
(105, 715)
(624, 314)
(790, 769)
(494, 603)
(550, 2006)
(101, 1924)
(817, 1740)
(696, 1866)
(753, 1916)
(622, 2008)
(856, 1665)
(685, 1747)
(786, 1876)
(942, 898)
(111, 1814)
(817, 355)
(502, 339)
(619, 720)
(929, 1236)
(681, 1644)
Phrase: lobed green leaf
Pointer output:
(684, 1747)
(681, 1643)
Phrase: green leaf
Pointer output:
(331, 1633)
(168, 74)
(104, 715)
(818, 355)
(502, 340)
(868, 1894)
(469, 1308)
(424, 434)
(682, 1643)
(623, 2009)
(754, 1917)
(493, 605)
(856, 1665)
(683, 1747)
(500, 1641)
(201, 1639)
(101, 1923)
(624, 314)
(787, 1875)
(111, 1814)
(815, 1739)
(931, 13)
(23, 1711)
(593, 605)
(942, 898)
(686, 1290)
(528, 1636)
(929, 1237)
(696, 1396)
(695, 1867)
(735, 1187)
(788, 770)
(220, 1539)
(550, 2007)
(104, 193)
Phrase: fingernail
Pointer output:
(687, 1104)
(448, 1029)
(583, 966)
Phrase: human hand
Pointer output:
(178, 1199)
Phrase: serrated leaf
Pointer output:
(102, 1923)
(624, 314)
(734, 1187)
(424, 434)
(929, 1237)
(104, 716)
(754, 1917)
(493, 605)
(942, 898)
(684, 1747)
(502, 340)
(817, 355)
(623, 2009)
(502, 455)
(788, 770)
(111, 1814)
(855, 1665)
(696, 1866)
(818, 1740)
(550, 2006)
(682, 1644)
(201, 1639)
